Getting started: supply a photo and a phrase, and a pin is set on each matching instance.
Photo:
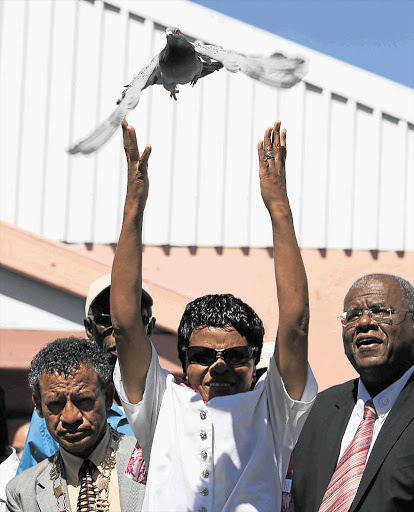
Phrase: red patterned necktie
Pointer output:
(345, 481)
(88, 490)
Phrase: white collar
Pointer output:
(385, 399)
(73, 463)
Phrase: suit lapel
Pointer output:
(335, 425)
(401, 414)
(130, 492)
(124, 483)
(44, 492)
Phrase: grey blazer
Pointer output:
(32, 490)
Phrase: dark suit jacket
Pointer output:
(387, 484)
(32, 490)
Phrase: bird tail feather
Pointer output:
(275, 70)
(102, 133)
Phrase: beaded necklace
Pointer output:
(102, 482)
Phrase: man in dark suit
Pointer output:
(71, 381)
(378, 337)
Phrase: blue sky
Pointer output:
(376, 35)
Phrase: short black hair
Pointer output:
(65, 356)
(221, 310)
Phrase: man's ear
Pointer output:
(109, 395)
(87, 322)
(37, 402)
(150, 327)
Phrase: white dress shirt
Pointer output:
(383, 403)
(73, 464)
(229, 454)
(8, 470)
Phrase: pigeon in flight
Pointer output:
(183, 62)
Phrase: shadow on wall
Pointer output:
(33, 293)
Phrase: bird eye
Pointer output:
(177, 31)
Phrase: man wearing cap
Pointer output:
(39, 443)
(97, 321)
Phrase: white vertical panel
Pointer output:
(13, 45)
(265, 111)
(58, 122)
(35, 106)
(1, 22)
(138, 52)
(183, 212)
(340, 169)
(316, 145)
(112, 50)
(161, 136)
(138, 38)
(238, 156)
(292, 114)
(85, 115)
(392, 185)
(210, 192)
(365, 202)
(409, 190)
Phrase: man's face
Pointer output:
(98, 327)
(380, 353)
(219, 379)
(74, 408)
(19, 439)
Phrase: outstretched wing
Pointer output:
(276, 70)
(229, 59)
(149, 75)
(209, 65)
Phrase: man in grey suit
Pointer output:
(346, 459)
(71, 382)
(98, 327)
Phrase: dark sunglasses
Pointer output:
(103, 319)
(235, 356)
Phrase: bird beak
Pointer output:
(169, 33)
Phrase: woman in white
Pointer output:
(212, 443)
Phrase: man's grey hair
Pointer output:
(406, 287)
(65, 356)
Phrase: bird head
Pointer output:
(172, 32)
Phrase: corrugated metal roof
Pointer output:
(63, 65)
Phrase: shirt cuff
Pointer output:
(311, 388)
(118, 382)
(117, 378)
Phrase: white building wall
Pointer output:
(63, 64)
(28, 304)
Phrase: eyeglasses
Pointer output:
(380, 313)
(234, 356)
(103, 319)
